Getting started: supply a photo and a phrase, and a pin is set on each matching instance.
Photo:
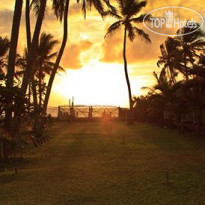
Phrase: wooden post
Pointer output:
(72, 102)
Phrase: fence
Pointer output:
(90, 112)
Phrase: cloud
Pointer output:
(6, 17)
(71, 58)
(137, 51)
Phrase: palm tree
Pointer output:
(12, 58)
(39, 7)
(170, 58)
(62, 14)
(179, 54)
(61, 8)
(44, 65)
(28, 24)
(128, 18)
(194, 92)
(4, 47)
(32, 52)
(98, 4)
(189, 45)
(199, 67)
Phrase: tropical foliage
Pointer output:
(177, 99)
(26, 79)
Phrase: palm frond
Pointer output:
(112, 14)
(198, 44)
(59, 7)
(35, 5)
(46, 44)
(52, 55)
(110, 6)
(88, 4)
(4, 46)
(132, 7)
(131, 32)
(113, 28)
(141, 18)
(142, 34)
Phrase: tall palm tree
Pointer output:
(39, 7)
(34, 46)
(28, 24)
(61, 9)
(128, 18)
(12, 58)
(62, 14)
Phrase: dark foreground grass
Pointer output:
(102, 164)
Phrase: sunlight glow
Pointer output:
(97, 83)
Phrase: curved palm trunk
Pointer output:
(28, 36)
(32, 53)
(130, 117)
(12, 59)
(54, 71)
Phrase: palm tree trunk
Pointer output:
(28, 25)
(28, 35)
(32, 52)
(12, 59)
(130, 118)
(54, 71)
(29, 95)
(39, 89)
(185, 65)
(33, 87)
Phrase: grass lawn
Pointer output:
(109, 164)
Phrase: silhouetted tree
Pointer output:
(127, 17)
(4, 48)
(12, 59)
(43, 64)
(62, 14)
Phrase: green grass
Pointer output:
(90, 163)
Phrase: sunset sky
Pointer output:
(94, 66)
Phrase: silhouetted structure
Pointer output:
(90, 113)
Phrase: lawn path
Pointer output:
(109, 164)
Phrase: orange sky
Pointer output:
(94, 67)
